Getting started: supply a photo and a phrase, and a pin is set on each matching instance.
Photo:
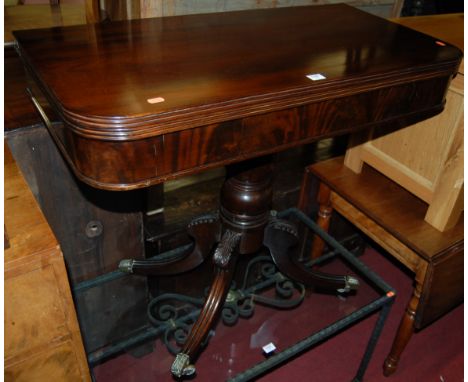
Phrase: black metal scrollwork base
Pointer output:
(174, 314)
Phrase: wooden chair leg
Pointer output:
(323, 220)
(303, 203)
(404, 333)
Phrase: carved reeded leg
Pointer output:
(224, 259)
(205, 231)
(244, 212)
(323, 220)
(404, 333)
(280, 236)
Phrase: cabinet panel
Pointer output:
(55, 364)
(33, 312)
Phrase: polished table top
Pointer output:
(145, 100)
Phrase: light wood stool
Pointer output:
(393, 218)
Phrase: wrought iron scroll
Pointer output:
(173, 314)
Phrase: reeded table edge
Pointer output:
(117, 128)
(427, 113)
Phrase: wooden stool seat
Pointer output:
(394, 218)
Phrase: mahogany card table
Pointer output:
(134, 103)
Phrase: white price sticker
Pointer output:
(269, 348)
(316, 77)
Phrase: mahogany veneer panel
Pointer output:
(227, 81)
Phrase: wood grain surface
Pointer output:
(228, 64)
(42, 337)
(229, 86)
(27, 227)
(391, 206)
(394, 218)
(95, 229)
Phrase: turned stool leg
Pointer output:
(304, 206)
(404, 333)
(323, 220)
